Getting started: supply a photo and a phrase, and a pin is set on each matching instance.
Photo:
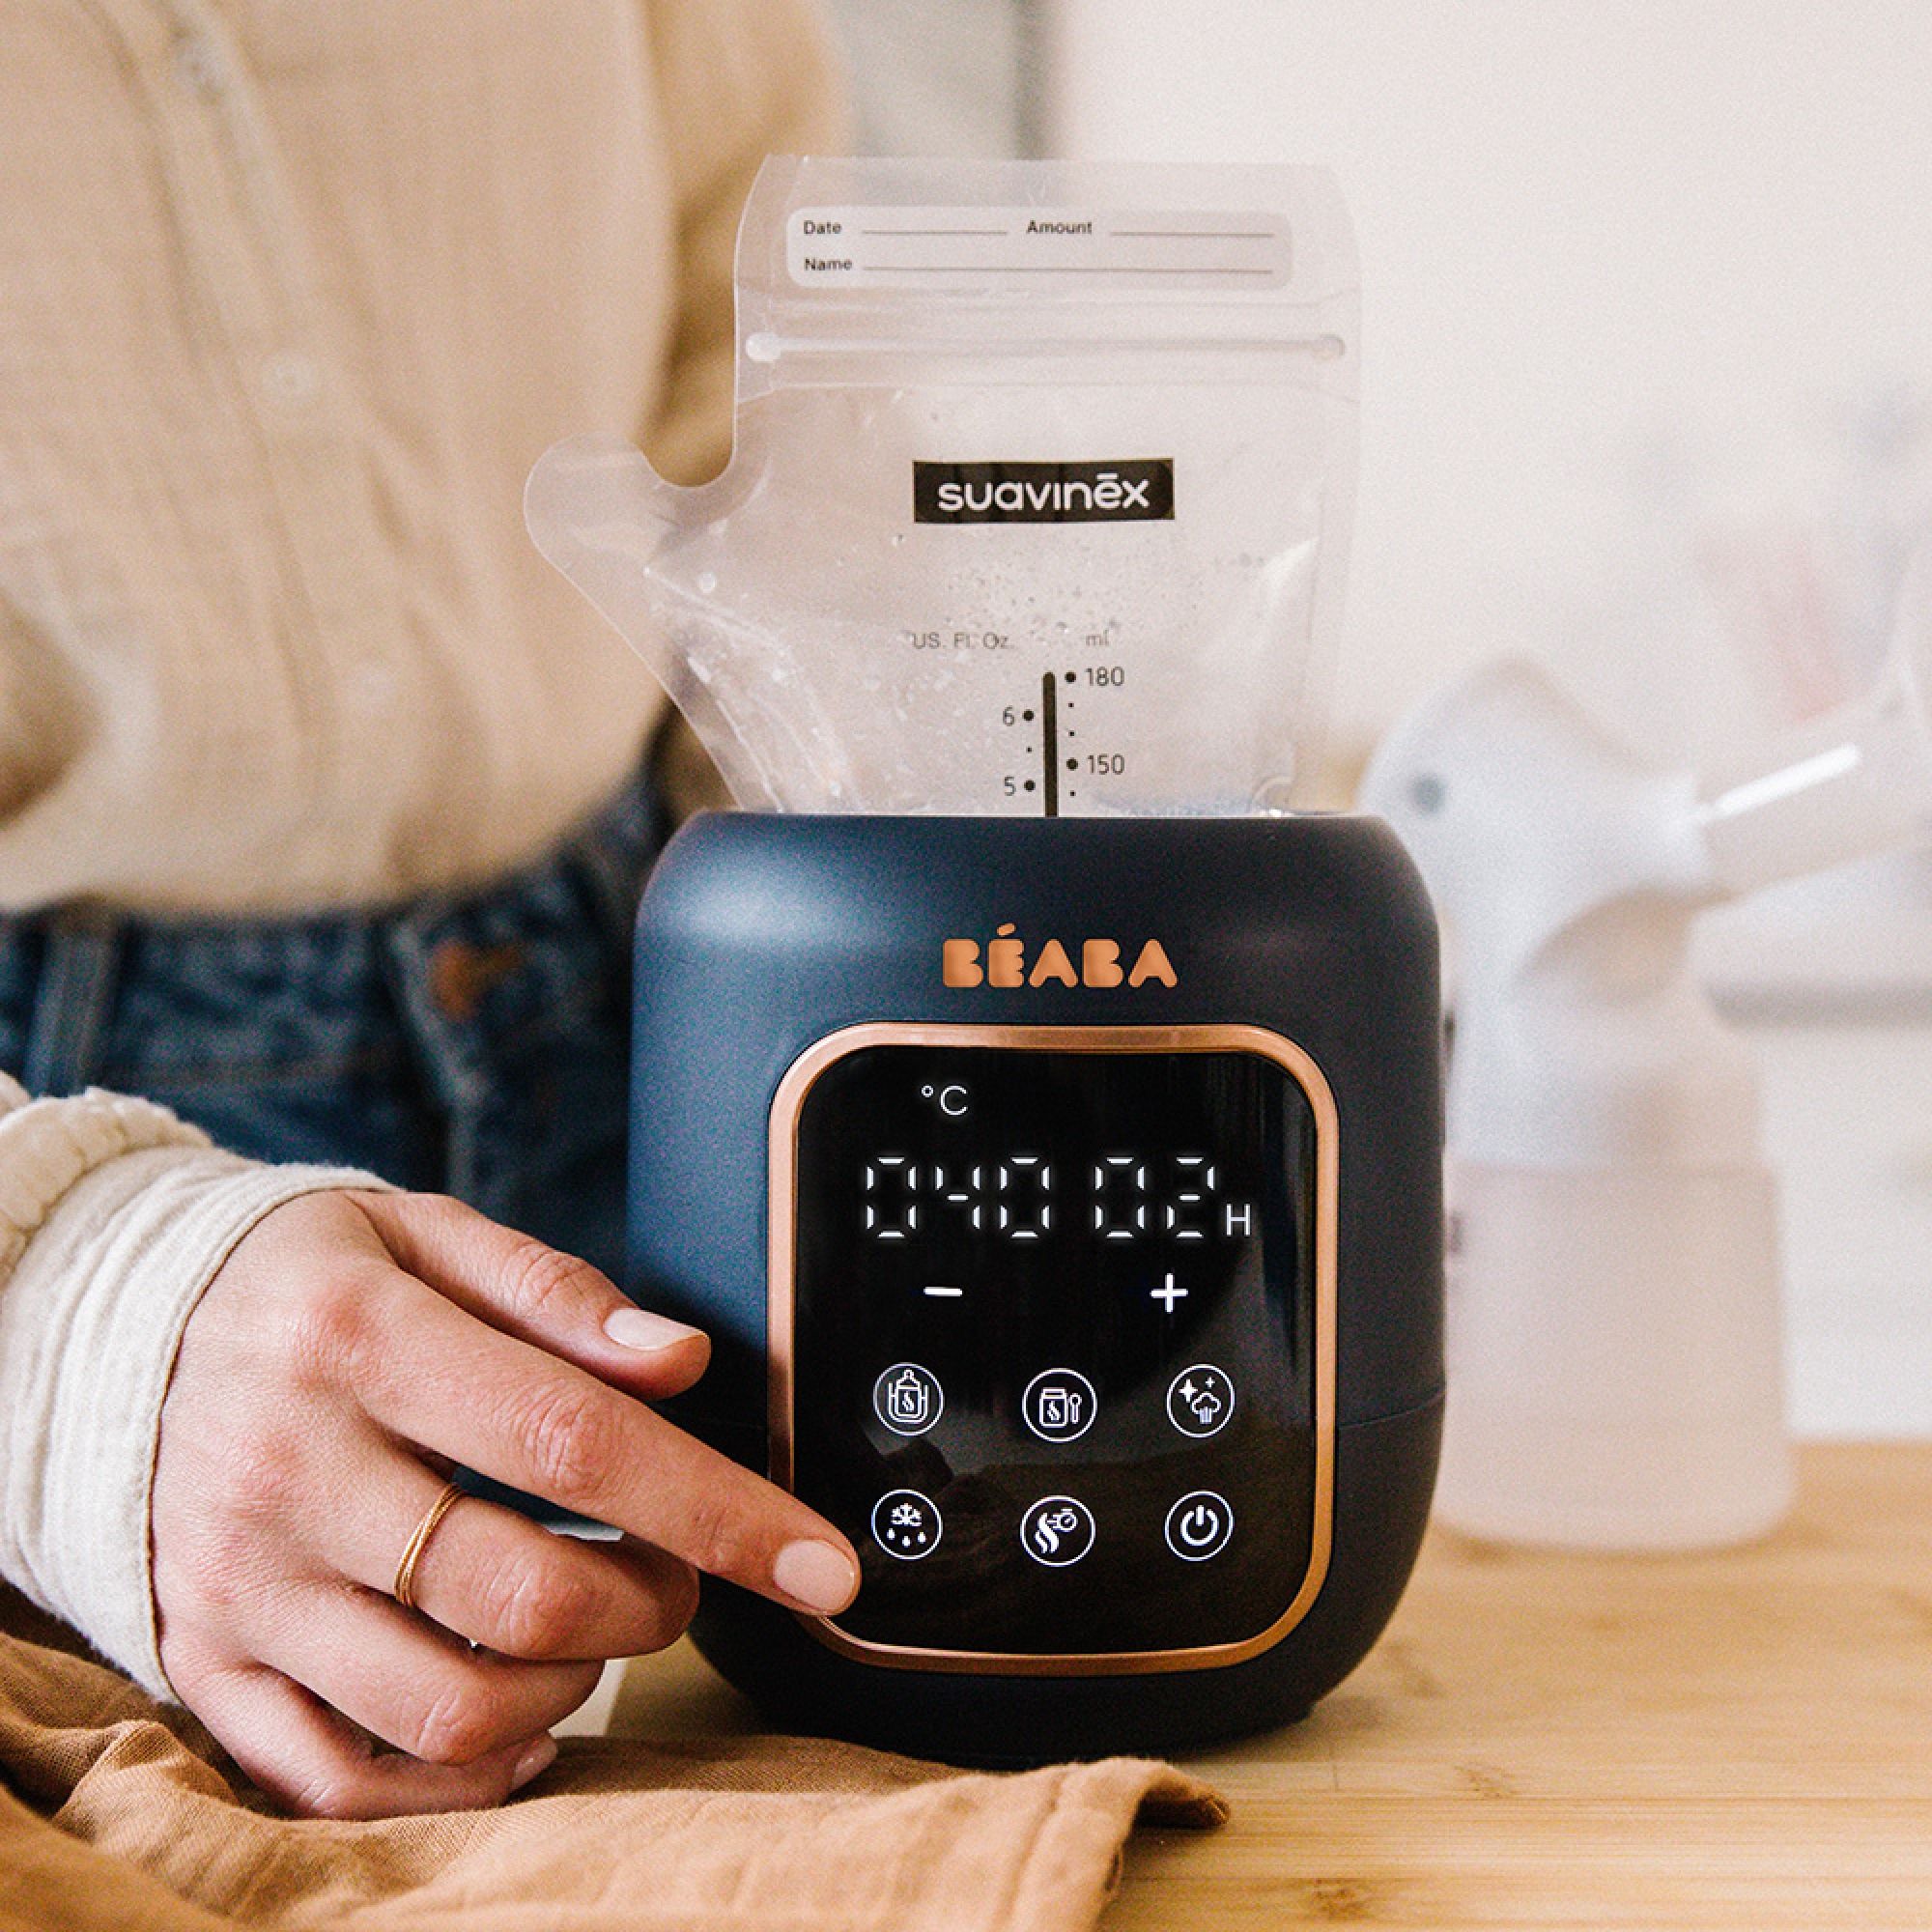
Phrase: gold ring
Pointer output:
(405, 1589)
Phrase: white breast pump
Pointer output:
(1615, 1374)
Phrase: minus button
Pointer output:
(947, 1293)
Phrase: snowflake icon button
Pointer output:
(906, 1525)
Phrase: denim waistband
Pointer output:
(459, 985)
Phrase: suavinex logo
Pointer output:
(1043, 493)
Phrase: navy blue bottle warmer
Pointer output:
(1063, 1196)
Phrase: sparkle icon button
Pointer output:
(1200, 1399)
(1199, 1526)
(906, 1525)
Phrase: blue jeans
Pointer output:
(476, 1043)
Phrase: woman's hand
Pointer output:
(351, 1349)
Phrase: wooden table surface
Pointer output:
(1738, 1741)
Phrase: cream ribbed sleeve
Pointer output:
(114, 1217)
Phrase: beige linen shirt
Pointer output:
(292, 295)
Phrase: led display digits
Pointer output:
(1052, 1335)
(1018, 1197)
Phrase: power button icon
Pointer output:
(1199, 1526)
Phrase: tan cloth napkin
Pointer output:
(120, 1813)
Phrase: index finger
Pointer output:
(512, 1412)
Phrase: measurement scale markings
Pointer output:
(1049, 743)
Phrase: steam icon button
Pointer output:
(906, 1525)
(1059, 1405)
(1199, 1526)
(908, 1399)
(1056, 1530)
(1200, 1399)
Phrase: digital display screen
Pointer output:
(1053, 1343)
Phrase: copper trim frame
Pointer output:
(788, 1102)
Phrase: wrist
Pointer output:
(90, 1323)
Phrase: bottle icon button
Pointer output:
(1200, 1399)
(906, 1525)
(1059, 1405)
(908, 1399)
(1199, 1526)
(1056, 1530)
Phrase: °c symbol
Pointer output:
(952, 1100)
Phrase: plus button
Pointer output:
(1169, 1295)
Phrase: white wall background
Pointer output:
(1627, 264)
(1647, 378)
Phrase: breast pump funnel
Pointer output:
(1614, 1337)
(1851, 782)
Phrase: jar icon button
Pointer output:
(908, 1399)
(1059, 1405)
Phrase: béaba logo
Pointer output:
(1005, 963)
(1140, 490)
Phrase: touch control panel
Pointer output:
(1049, 1330)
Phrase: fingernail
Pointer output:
(639, 1328)
(817, 1574)
(539, 1755)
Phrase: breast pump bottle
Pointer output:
(1614, 1349)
